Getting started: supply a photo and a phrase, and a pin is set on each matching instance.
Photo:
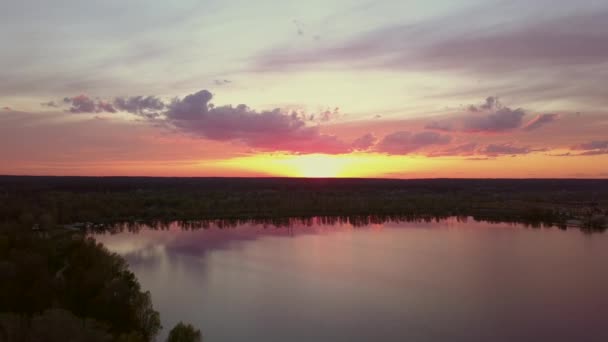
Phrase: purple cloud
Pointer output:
(575, 39)
(146, 106)
(489, 117)
(85, 104)
(592, 148)
(51, 104)
(594, 152)
(267, 130)
(495, 150)
(444, 126)
(406, 142)
(504, 119)
(81, 104)
(540, 120)
(364, 142)
(592, 145)
(466, 149)
(571, 40)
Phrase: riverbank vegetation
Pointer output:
(58, 285)
(49, 201)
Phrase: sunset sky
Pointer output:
(317, 88)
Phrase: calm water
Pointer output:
(448, 281)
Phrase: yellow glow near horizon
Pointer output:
(364, 165)
(316, 166)
(323, 165)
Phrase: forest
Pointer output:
(51, 201)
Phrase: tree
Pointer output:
(184, 333)
(54, 325)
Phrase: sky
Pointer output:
(342, 88)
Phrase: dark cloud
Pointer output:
(81, 104)
(192, 107)
(407, 142)
(103, 106)
(501, 120)
(440, 126)
(364, 142)
(267, 130)
(85, 104)
(146, 106)
(541, 120)
(52, 104)
(328, 115)
(594, 152)
(592, 145)
(466, 149)
(274, 130)
(566, 154)
(489, 117)
(491, 103)
(505, 149)
(592, 148)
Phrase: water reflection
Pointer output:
(362, 279)
(354, 221)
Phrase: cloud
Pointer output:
(146, 106)
(540, 120)
(594, 152)
(272, 130)
(484, 152)
(84, 104)
(592, 145)
(485, 44)
(364, 142)
(52, 104)
(81, 104)
(440, 126)
(592, 148)
(501, 120)
(406, 142)
(565, 154)
(105, 107)
(494, 150)
(568, 40)
(221, 82)
(490, 104)
(466, 149)
(489, 117)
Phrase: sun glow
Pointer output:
(317, 166)
(324, 166)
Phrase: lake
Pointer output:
(453, 280)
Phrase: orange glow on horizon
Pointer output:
(355, 165)
(324, 165)
(372, 165)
